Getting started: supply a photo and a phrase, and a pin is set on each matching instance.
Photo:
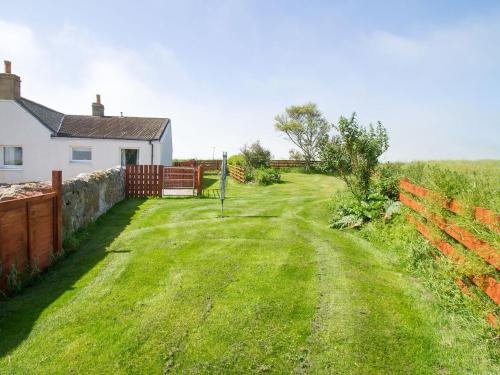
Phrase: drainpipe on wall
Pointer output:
(152, 149)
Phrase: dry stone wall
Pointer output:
(89, 195)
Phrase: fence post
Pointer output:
(160, 181)
(127, 182)
(199, 179)
(58, 226)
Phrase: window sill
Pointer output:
(2, 168)
(81, 161)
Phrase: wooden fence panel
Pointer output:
(151, 180)
(41, 232)
(482, 215)
(210, 165)
(13, 240)
(289, 163)
(238, 173)
(179, 178)
(481, 248)
(30, 231)
(143, 181)
(488, 284)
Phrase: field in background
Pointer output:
(472, 182)
(488, 167)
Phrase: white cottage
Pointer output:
(34, 139)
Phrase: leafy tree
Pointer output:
(256, 156)
(237, 159)
(306, 127)
(354, 153)
(295, 155)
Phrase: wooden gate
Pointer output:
(179, 181)
(30, 231)
(143, 180)
(158, 180)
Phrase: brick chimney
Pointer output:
(97, 107)
(10, 84)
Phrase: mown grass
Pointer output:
(166, 285)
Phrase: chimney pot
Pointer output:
(7, 65)
(10, 84)
(97, 107)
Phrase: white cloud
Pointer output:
(421, 86)
(65, 70)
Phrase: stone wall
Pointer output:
(85, 197)
(28, 189)
(89, 195)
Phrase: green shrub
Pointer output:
(350, 212)
(267, 176)
(256, 156)
(249, 174)
(353, 153)
(237, 159)
(386, 180)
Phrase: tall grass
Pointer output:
(472, 184)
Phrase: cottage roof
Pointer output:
(100, 127)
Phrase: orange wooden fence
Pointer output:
(238, 173)
(487, 283)
(30, 231)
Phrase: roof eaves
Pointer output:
(102, 138)
(165, 127)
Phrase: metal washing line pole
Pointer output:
(223, 174)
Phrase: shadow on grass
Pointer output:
(210, 180)
(19, 313)
(250, 216)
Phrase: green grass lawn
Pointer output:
(166, 285)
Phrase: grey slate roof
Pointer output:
(106, 127)
(50, 118)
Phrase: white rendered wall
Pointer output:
(166, 147)
(42, 154)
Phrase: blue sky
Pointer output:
(221, 70)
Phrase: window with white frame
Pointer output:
(129, 156)
(11, 156)
(81, 154)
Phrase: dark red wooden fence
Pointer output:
(152, 180)
(143, 181)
